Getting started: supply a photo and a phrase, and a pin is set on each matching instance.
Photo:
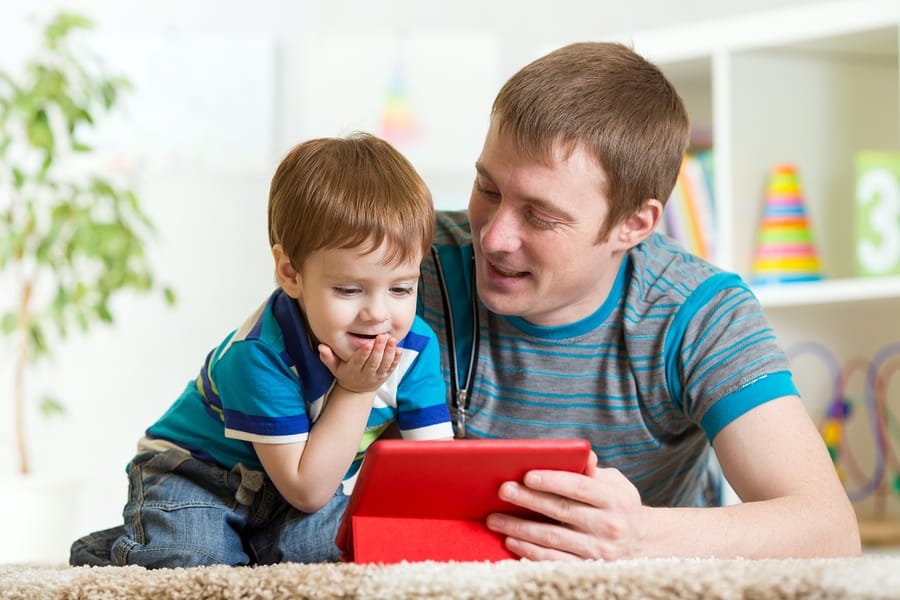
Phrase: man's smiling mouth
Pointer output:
(507, 272)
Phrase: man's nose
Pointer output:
(501, 231)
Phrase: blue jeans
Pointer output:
(183, 512)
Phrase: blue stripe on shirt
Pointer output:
(739, 402)
(260, 425)
(413, 341)
(422, 417)
(675, 336)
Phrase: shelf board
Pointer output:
(829, 291)
(785, 26)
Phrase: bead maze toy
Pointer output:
(878, 478)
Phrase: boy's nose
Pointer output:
(375, 311)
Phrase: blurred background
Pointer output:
(221, 92)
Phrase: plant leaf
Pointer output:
(9, 323)
(50, 406)
(60, 27)
(39, 133)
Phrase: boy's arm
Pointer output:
(308, 473)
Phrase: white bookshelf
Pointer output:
(813, 85)
(831, 292)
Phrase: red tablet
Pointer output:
(427, 500)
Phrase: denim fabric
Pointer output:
(183, 512)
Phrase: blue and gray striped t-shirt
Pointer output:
(677, 351)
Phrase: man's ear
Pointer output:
(638, 227)
(288, 277)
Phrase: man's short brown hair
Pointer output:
(609, 101)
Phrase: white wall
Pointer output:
(210, 207)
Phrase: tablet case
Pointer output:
(427, 500)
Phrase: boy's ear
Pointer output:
(288, 277)
(638, 227)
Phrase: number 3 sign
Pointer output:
(878, 213)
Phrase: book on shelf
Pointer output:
(689, 214)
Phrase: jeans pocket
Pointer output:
(181, 511)
(172, 480)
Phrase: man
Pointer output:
(562, 314)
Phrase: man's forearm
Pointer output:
(779, 528)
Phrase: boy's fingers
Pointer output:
(384, 355)
(376, 356)
(392, 356)
(326, 355)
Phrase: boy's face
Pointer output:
(349, 297)
(535, 230)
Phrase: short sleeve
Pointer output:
(262, 400)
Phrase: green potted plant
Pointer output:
(72, 234)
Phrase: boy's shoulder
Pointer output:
(275, 327)
(265, 324)
(420, 335)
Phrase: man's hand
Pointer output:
(597, 515)
(368, 367)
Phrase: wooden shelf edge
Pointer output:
(878, 532)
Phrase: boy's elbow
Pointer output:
(311, 501)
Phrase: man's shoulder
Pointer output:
(662, 270)
(453, 251)
(452, 228)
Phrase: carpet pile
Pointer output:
(870, 576)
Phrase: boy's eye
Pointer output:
(405, 290)
(345, 291)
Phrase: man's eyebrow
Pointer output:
(479, 166)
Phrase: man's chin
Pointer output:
(500, 304)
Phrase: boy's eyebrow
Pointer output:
(537, 201)
(396, 275)
(411, 275)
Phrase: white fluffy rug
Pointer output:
(871, 576)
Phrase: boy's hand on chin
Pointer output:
(369, 366)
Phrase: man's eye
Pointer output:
(485, 191)
(539, 222)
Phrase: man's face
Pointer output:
(535, 231)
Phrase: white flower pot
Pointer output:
(38, 518)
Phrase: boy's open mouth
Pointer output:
(364, 336)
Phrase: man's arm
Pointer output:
(793, 503)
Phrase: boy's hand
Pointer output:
(368, 367)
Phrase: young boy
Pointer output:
(247, 466)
